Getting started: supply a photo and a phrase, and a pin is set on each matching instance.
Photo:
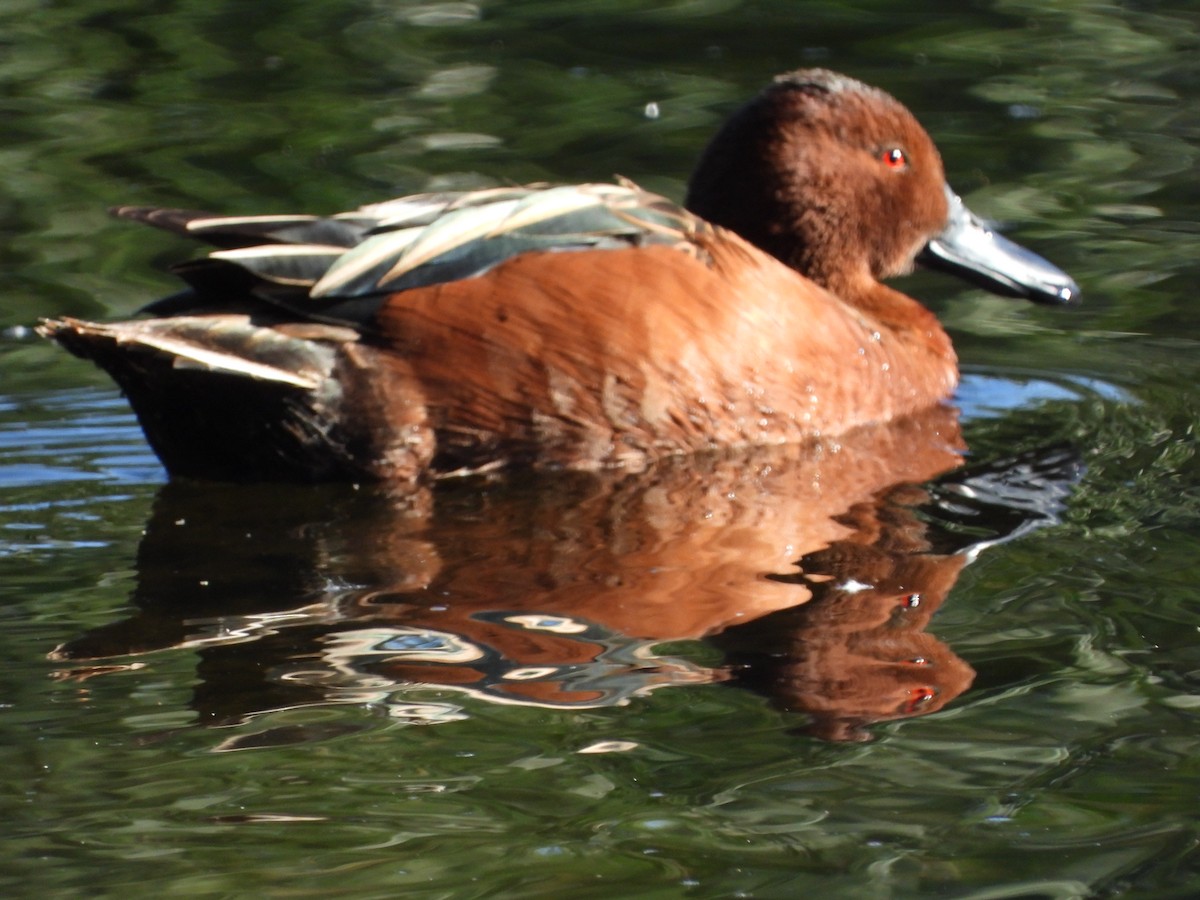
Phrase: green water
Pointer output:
(204, 691)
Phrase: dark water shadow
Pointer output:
(814, 570)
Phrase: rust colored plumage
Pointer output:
(582, 327)
(584, 371)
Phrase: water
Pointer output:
(501, 689)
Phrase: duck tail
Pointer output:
(221, 397)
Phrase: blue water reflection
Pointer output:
(982, 395)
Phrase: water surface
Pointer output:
(506, 688)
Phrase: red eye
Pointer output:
(918, 697)
(894, 158)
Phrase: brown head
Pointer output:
(839, 181)
(812, 168)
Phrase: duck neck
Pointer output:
(735, 185)
(897, 312)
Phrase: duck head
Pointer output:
(839, 181)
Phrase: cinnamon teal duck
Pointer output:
(583, 326)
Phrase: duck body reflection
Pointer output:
(806, 566)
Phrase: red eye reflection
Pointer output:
(918, 697)
(894, 158)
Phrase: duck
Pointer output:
(580, 327)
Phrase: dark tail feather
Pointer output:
(221, 398)
(233, 232)
(172, 220)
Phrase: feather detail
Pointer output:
(338, 268)
(482, 229)
(301, 265)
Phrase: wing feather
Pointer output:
(341, 267)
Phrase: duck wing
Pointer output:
(339, 269)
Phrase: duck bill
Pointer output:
(970, 249)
